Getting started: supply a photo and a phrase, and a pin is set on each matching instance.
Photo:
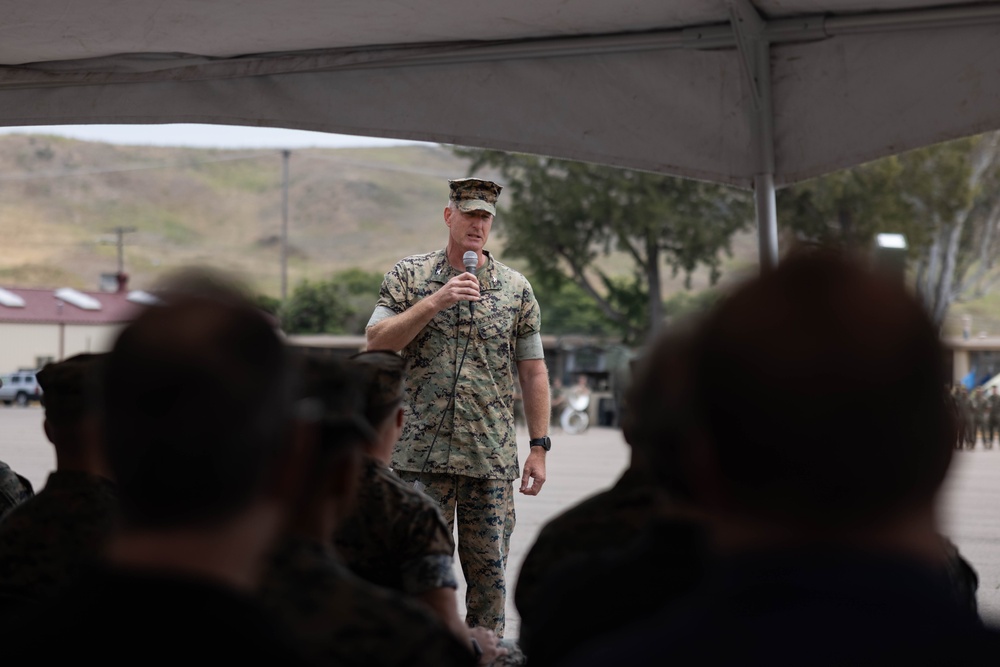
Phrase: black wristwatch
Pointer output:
(545, 443)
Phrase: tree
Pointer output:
(269, 304)
(340, 305)
(941, 198)
(563, 216)
(960, 210)
(567, 309)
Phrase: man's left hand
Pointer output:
(534, 472)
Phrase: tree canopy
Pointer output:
(341, 304)
(563, 216)
(941, 198)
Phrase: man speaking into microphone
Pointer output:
(463, 320)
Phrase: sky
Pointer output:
(205, 136)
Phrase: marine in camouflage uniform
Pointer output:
(962, 576)
(14, 490)
(49, 539)
(993, 418)
(459, 438)
(980, 416)
(951, 397)
(477, 437)
(643, 535)
(396, 536)
(340, 619)
(610, 519)
(965, 403)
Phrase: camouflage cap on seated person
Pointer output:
(69, 387)
(385, 372)
(332, 396)
(475, 194)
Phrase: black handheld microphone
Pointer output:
(470, 259)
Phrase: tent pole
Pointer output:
(750, 32)
(767, 220)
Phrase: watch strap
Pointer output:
(543, 442)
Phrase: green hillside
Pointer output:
(357, 207)
(62, 198)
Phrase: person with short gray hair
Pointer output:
(464, 328)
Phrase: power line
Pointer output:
(180, 164)
(121, 232)
(64, 173)
(379, 166)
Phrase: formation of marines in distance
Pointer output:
(977, 413)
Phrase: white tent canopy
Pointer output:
(747, 93)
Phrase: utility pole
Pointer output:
(285, 154)
(121, 232)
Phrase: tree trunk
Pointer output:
(945, 295)
(653, 280)
(984, 154)
(974, 283)
(846, 222)
(926, 289)
(918, 282)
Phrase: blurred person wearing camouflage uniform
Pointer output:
(396, 536)
(956, 412)
(47, 541)
(610, 518)
(968, 418)
(459, 439)
(14, 490)
(992, 418)
(643, 535)
(829, 554)
(196, 400)
(980, 416)
(338, 617)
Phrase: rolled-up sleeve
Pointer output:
(381, 313)
(427, 573)
(392, 297)
(528, 344)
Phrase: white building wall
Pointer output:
(960, 365)
(21, 345)
(90, 338)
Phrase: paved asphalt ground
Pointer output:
(580, 465)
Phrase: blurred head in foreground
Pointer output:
(335, 435)
(382, 373)
(820, 395)
(197, 397)
(656, 418)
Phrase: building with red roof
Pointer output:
(41, 325)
